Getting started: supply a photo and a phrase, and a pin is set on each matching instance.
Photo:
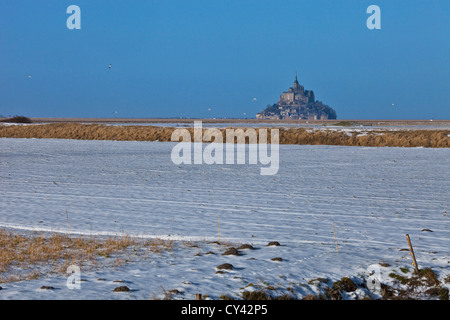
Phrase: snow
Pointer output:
(372, 196)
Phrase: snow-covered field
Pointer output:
(372, 196)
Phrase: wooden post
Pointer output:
(218, 239)
(416, 267)
(335, 240)
(67, 215)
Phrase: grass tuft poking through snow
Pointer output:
(26, 256)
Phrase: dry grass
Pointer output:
(378, 138)
(374, 138)
(87, 132)
(29, 256)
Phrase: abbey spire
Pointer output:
(297, 87)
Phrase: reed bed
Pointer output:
(300, 136)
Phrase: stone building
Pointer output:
(297, 103)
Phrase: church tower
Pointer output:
(297, 87)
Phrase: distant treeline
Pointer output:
(17, 119)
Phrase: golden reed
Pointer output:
(372, 138)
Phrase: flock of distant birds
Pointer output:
(209, 109)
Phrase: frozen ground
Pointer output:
(354, 127)
(310, 126)
(373, 196)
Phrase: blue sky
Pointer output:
(179, 58)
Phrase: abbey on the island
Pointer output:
(297, 103)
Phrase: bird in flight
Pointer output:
(109, 67)
(29, 76)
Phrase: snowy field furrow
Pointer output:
(372, 197)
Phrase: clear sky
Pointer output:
(181, 58)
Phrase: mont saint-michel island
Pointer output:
(297, 103)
